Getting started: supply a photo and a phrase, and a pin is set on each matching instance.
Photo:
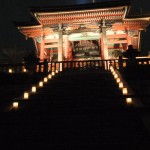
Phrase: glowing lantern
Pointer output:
(125, 91)
(145, 62)
(115, 76)
(15, 105)
(49, 76)
(33, 89)
(45, 79)
(24, 70)
(118, 80)
(56, 71)
(53, 73)
(10, 70)
(113, 73)
(40, 84)
(111, 69)
(129, 100)
(26, 95)
(120, 85)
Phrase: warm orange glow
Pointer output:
(15, 105)
(40, 84)
(115, 76)
(49, 76)
(45, 79)
(113, 72)
(129, 100)
(111, 68)
(120, 85)
(118, 80)
(125, 91)
(145, 63)
(140, 63)
(26, 95)
(53, 73)
(33, 89)
(24, 70)
(56, 71)
(10, 70)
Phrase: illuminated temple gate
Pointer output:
(88, 31)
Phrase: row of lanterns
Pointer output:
(124, 89)
(34, 89)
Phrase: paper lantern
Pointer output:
(125, 91)
(49, 76)
(26, 95)
(24, 70)
(45, 79)
(115, 76)
(118, 80)
(33, 89)
(129, 100)
(10, 70)
(40, 84)
(120, 85)
(15, 105)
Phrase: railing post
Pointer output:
(120, 62)
(45, 66)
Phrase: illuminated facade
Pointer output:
(87, 31)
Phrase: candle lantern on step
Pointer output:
(33, 89)
(26, 95)
(125, 91)
(15, 105)
(40, 84)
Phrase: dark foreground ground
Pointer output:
(75, 110)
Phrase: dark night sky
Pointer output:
(18, 10)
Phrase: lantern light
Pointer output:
(56, 71)
(15, 105)
(120, 85)
(45, 79)
(10, 70)
(115, 76)
(118, 80)
(125, 91)
(33, 89)
(49, 76)
(26, 95)
(40, 84)
(111, 69)
(113, 73)
(24, 70)
(129, 100)
(53, 73)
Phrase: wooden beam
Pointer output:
(116, 42)
(51, 46)
(117, 36)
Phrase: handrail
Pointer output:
(45, 66)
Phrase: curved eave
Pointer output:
(64, 11)
(33, 31)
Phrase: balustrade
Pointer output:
(45, 66)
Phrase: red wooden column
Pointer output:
(66, 46)
(60, 43)
(129, 40)
(104, 42)
(60, 46)
(42, 48)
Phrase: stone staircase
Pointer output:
(80, 109)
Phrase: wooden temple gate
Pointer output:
(72, 33)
